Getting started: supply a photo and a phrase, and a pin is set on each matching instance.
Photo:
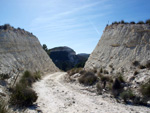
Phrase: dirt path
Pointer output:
(57, 96)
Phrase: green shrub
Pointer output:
(37, 75)
(4, 76)
(117, 85)
(116, 88)
(120, 77)
(27, 78)
(140, 22)
(115, 22)
(105, 78)
(99, 88)
(132, 22)
(135, 63)
(141, 67)
(88, 78)
(94, 70)
(82, 72)
(6, 26)
(74, 71)
(80, 65)
(148, 21)
(138, 101)
(106, 72)
(122, 22)
(101, 70)
(126, 95)
(22, 96)
(145, 89)
(147, 65)
(136, 72)
(3, 108)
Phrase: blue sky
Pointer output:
(78, 24)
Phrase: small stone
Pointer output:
(101, 103)
(39, 111)
(132, 109)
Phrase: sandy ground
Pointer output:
(57, 96)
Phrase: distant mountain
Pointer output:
(66, 58)
(84, 55)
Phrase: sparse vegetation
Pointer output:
(122, 22)
(132, 22)
(105, 83)
(37, 75)
(141, 67)
(75, 70)
(27, 79)
(145, 89)
(99, 88)
(135, 63)
(117, 88)
(115, 23)
(148, 21)
(101, 70)
(82, 72)
(6, 26)
(46, 49)
(147, 65)
(140, 22)
(127, 95)
(120, 77)
(88, 78)
(80, 65)
(105, 72)
(22, 95)
(105, 80)
(136, 72)
(3, 108)
(94, 70)
(4, 76)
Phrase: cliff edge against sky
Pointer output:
(120, 45)
(21, 50)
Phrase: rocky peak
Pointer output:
(62, 49)
(65, 58)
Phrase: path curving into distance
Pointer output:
(57, 96)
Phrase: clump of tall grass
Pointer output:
(88, 78)
(74, 71)
(22, 95)
(3, 108)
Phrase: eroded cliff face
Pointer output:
(120, 45)
(20, 51)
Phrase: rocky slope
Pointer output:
(120, 45)
(66, 58)
(20, 51)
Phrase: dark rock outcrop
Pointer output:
(65, 58)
